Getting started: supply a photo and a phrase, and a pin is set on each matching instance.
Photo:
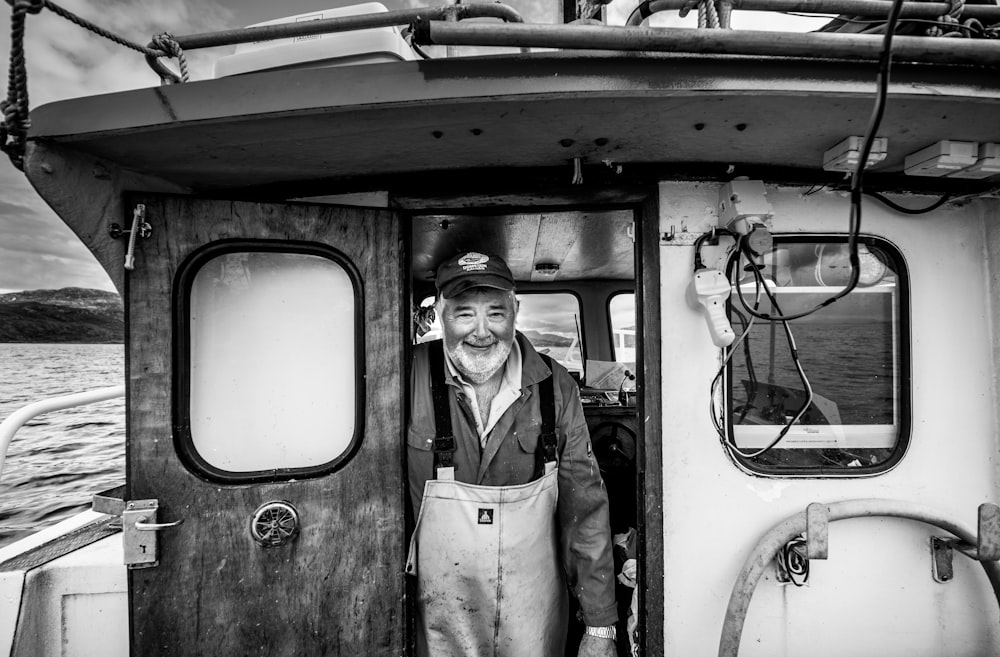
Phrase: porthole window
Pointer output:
(854, 354)
(271, 358)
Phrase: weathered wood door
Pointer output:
(329, 582)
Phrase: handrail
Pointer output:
(811, 45)
(867, 8)
(769, 544)
(18, 418)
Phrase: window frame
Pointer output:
(901, 340)
(181, 397)
(611, 328)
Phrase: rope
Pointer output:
(15, 124)
(14, 128)
(949, 22)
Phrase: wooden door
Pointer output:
(333, 583)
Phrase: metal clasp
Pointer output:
(139, 526)
(140, 228)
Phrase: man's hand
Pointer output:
(592, 646)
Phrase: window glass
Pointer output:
(272, 358)
(623, 327)
(550, 321)
(853, 353)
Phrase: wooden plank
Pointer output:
(650, 448)
(338, 588)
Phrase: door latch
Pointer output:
(139, 527)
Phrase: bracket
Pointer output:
(987, 546)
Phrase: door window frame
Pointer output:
(183, 282)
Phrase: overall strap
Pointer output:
(547, 441)
(444, 438)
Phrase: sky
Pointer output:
(37, 251)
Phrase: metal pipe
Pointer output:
(347, 24)
(821, 45)
(867, 8)
(769, 544)
(18, 418)
(330, 26)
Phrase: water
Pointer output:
(57, 461)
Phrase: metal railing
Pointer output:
(18, 418)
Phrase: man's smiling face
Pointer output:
(479, 330)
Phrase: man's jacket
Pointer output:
(508, 459)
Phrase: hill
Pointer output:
(70, 314)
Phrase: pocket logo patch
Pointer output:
(485, 516)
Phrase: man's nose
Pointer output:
(482, 329)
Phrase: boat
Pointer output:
(811, 213)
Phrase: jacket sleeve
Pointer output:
(583, 513)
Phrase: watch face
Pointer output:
(873, 266)
(833, 265)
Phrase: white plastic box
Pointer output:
(380, 44)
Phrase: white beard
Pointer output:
(478, 367)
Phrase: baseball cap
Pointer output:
(468, 270)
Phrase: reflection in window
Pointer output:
(272, 361)
(550, 321)
(623, 342)
(852, 352)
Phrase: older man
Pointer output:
(509, 499)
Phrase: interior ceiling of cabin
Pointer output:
(581, 245)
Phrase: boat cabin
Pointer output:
(791, 475)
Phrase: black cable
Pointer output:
(881, 21)
(899, 208)
(743, 249)
(857, 183)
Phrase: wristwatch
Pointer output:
(607, 632)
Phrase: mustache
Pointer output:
(481, 343)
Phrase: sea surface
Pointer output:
(58, 460)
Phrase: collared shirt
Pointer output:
(507, 394)
(508, 459)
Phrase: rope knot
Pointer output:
(27, 6)
(166, 43)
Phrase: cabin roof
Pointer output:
(309, 131)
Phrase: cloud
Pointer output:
(66, 61)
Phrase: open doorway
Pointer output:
(579, 284)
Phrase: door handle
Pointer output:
(144, 526)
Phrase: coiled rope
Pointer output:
(708, 13)
(947, 24)
(15, 124)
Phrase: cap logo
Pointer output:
(473, 261)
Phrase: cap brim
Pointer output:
(455, 288)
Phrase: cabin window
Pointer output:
(621, 310)
(272, 351)
(854, 353)
(549, 320)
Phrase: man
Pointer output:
(509, 499)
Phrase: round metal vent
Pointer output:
(274, 524)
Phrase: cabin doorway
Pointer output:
(587, 283)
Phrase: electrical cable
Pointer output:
(857, 178)
(739, 252)
(979, 30)
(899, 208)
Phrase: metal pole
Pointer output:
(17, 419)
(868, 8)
(346, 24)
(973, 52)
